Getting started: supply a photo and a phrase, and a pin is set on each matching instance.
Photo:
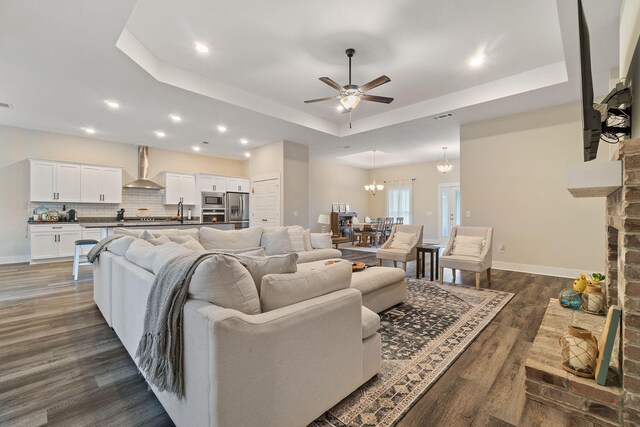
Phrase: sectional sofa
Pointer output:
(278, 352)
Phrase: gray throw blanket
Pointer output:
(95, 251)
(160, 349)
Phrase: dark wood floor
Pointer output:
(60, 364)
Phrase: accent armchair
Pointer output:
(463, 256)
(391, 251)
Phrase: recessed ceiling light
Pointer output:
(90, 131)
(195, 148)
(247, 154)
(201, 47)
(159, 133)
(176, 118)
(339, 108)
(112, 104)
(222, 129)
(477, 60)
(244, 141)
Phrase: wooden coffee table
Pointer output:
(434, 252)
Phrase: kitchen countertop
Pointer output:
(109, 222)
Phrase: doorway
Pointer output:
(449, 210)
(265, 202)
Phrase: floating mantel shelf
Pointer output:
(594, 179)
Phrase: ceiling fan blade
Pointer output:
(327, 98)
(374, 83)
(374, 98)
(331, 83)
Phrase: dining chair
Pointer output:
(400, 220)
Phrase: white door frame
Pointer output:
(440, 187)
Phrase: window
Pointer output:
(400, 199)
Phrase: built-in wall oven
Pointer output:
(212, 215)
(213, 200)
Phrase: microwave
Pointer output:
(212, 200)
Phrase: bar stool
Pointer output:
(76, 255)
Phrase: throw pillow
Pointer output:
(468, 246)
(320, 240)
(276, 242)
(146, 235)
(257, 252)
(260, 266)
(212, 238)
(127, 232)
(187, 241)
(223, 281)
(281, 290)
(166, 252)
(296, 238)
(306, 240)
(120, 246)
(158, 240)
(403, 240)
(142, 254)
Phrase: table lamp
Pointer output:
(324, 220)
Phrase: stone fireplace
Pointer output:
(623, 271)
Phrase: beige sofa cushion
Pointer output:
(142, 254)
(223, 281)
(120, 246)
(127, 232)
(166, 252)
(261, 266)
(188, 242)
(157, 241)
(212, 238)
(281, 290)
(318, 254)
(276, 242)
(320, 240)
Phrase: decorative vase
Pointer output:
(579, 352)
(569, 298)
(593, 301)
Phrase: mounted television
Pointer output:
(609, 120)
(591, 118)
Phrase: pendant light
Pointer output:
(444, 165)
(374, 188)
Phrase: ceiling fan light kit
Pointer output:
(350, 95)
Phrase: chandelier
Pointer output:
(444, 165)
(374, 187)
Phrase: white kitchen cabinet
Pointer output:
(238, 185)
(53, 241)
(100, 184)
(54, 181)
(212, 183)
(179, 188)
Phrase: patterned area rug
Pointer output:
(421, 338)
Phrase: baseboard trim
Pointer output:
(543, 270)
(14, 259)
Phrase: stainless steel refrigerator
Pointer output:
(237, 209)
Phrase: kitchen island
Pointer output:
(55, 240)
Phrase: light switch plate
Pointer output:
(468, 214)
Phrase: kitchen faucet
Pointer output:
(181, 212)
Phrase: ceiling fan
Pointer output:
(350, 95)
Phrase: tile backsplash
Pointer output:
(132, 199)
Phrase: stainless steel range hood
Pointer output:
(143, 180)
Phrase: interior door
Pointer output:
(265, 203)
(449, 210)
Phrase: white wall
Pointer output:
(296, 184)
(513, 178)
(17, 145)
(331, 182)
(425, 192)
